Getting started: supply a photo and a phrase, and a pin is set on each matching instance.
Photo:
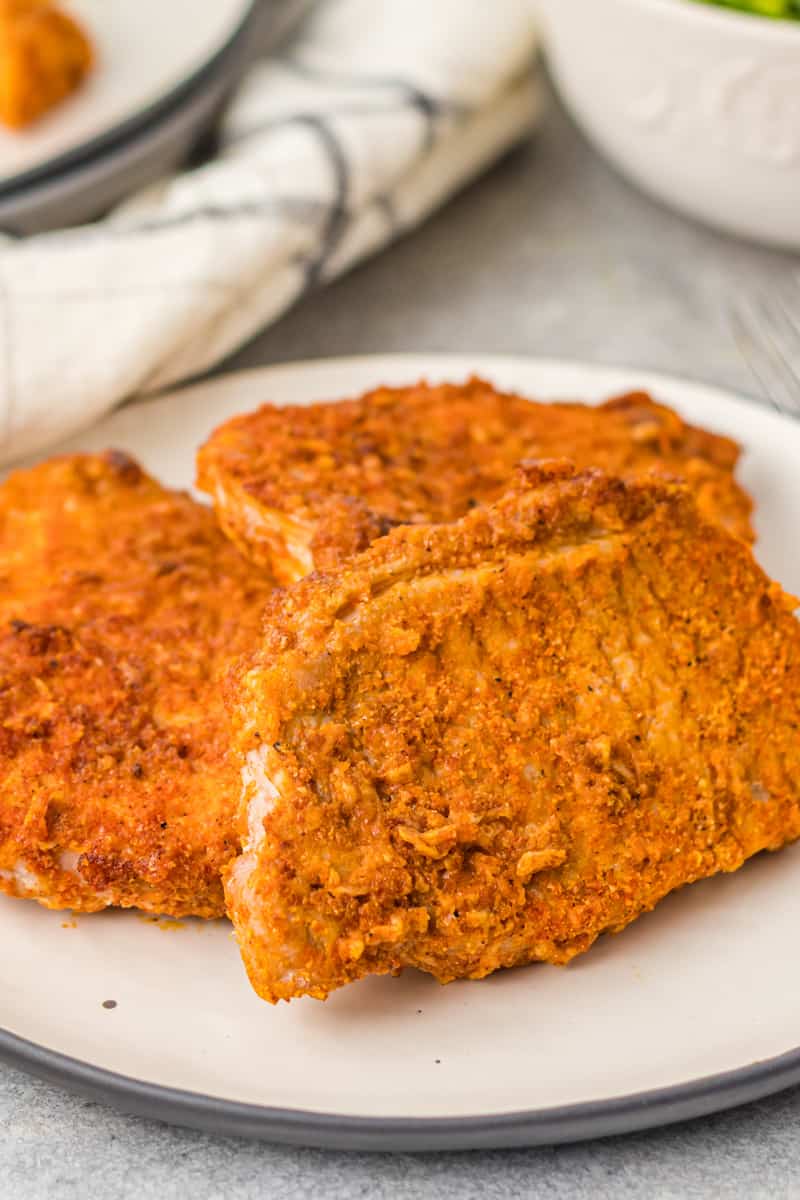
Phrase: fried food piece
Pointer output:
(120, 607)
(484, 744)
(44, 57)
(308, 486)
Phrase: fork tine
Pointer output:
(792, 322)
(754, 327)
(754, 356)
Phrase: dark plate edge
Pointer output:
(79, 155)
(568, 1123)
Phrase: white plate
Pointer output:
(693, 1008)
(145, 49)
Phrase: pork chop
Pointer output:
(44, 56)
(305, 487)
(483, 744)
(121, 606)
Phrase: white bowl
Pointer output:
(697, 104)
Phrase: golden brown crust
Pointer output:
(121, 606)
(44, 56)
(486, 743)
(282, 477)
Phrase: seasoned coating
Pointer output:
(44, 56)
(484, 744)
(121, 606)
(304, 487)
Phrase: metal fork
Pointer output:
(765, 324)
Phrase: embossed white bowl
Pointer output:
(699, 105)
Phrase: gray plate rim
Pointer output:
(527, 1127)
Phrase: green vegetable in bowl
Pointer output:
(782, 9)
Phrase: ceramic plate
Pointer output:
(146, 50)
(693, 1008)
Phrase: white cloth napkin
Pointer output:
(370, 119)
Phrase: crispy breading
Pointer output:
(307, 486)
(44, 56)
(486, 743)
(121, 606)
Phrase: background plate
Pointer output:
(694, 1007)
(146, 49)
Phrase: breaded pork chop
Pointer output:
(121, 604)
(44, 56)
(307, 486)
(484, 744)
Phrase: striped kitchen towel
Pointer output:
(375, 114)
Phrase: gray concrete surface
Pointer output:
(550, 254)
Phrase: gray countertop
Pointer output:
(551, 254)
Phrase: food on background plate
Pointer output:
(44, 57)
(307, 486)
(122, 605)
(484, 744)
